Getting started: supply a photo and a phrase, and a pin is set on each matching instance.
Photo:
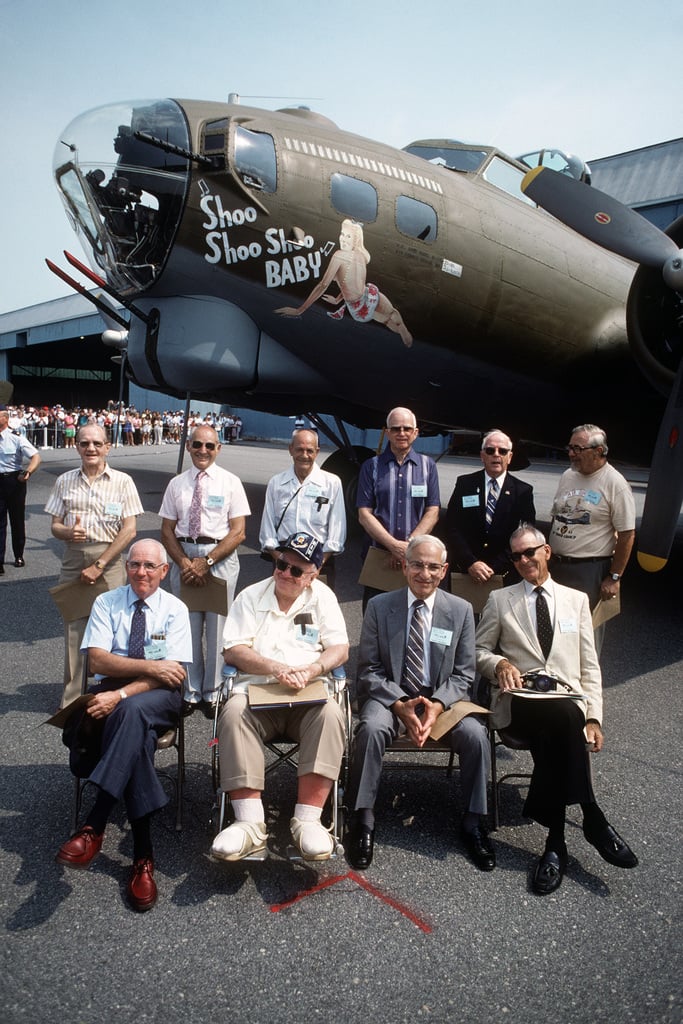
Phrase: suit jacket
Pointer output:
(505, 630)
(467, 538)
(383, 645)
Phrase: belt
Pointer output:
(570, 559)
(199, 540)
(14, 472)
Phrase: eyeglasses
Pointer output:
(401, 430)
(147, 566)
(517, 556)
(576, 448)
(95, 444)
(431, 567)
(282, 566)
(490, 450)
(209, 445)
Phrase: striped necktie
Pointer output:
(413, 673)
(491, 502)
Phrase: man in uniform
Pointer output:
(14, 450)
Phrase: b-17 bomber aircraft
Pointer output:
(270, 260)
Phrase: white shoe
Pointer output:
(312, 839)
(239, 840)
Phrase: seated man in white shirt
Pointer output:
(289, 629)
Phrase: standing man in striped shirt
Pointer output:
(93, 511)
(398, 492)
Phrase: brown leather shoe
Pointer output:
(142, 889)
(81, 850)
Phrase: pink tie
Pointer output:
(195, 521)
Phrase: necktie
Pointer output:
(413, 673)
(491, 502)
(544, 627)
(194, 525)
(136, 641)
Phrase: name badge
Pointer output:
(308, 634)
(419, 491)
(593, 497)
(156, 650)
(313, 491)
(470, 500)
(568, 626)
(113, 508)
(215, 501)
(441, 636)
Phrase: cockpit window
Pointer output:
(255, 160)
(123, 172)
(507, 177)
(354, 198)
(456, 159)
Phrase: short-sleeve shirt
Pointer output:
(588, 512)
(225, 499)
(101, 504)
(398, 494)
(296, 637)
(110, 619)
(315, 506)
(14, 448)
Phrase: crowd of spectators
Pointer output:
(56, 426)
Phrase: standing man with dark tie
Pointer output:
(415, 661)
(539, 626)
(93, 511)
(14, 475)
(138, 642)
(203, 514)
(484, 509)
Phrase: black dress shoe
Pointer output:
(611, 846)
(360, 846)
(19, 563)
(549, 872)
(188, 708)
(479, 847)
(208, 709)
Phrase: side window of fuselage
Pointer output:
(353, 198)
(416, 219)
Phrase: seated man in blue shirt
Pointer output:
(138, 641)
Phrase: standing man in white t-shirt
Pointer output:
(593, 521)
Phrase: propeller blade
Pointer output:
(599, 217)
(665, 486)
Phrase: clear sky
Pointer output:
(593, 77)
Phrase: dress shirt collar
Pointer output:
(500, 480)
(429, 601)
(153, 601)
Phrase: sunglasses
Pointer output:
(517, 556)
(401, 430)
(95, 444)
(209, 445)
(490, 450)
(296, 572)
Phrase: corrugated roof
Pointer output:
(651, 174)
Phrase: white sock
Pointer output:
(250, 809)
(307, 812)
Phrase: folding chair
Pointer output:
(285, 751)
(172, 739)
(508, 739)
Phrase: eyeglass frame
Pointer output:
(96, 444)
(576, 448)
(401, 429)
(295, 570)
(432, 567)
(494, 450)
(210, 446)
(516, 556)
(135, 566)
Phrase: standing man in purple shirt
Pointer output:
(398, 492)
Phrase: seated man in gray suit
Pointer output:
(416, 660)
(538, 625)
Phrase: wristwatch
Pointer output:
(100, 565)
(616, 576)
(210, 561)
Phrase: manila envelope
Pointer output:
(275, 695)
(454, 714)
(211, 598)
(606, 610)
(74, 600)
(377, 572)
(462, 585)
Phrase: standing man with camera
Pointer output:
(538, 625)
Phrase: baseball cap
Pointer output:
(304, 545)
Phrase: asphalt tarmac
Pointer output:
(422, 935)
